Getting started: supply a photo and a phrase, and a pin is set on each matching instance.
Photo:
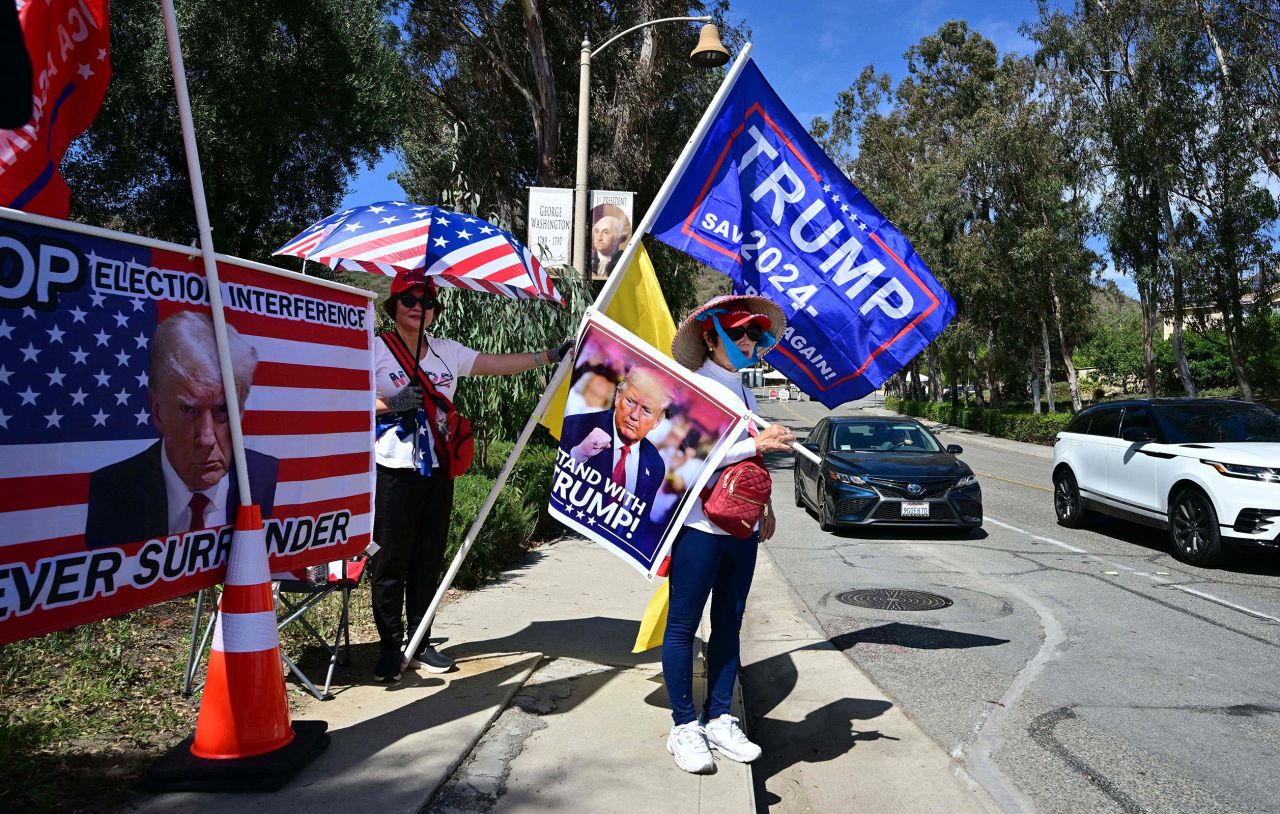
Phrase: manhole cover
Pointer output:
(894, 599)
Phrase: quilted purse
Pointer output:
(739, 497)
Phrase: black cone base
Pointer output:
(179, 770)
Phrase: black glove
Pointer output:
(409, 398)
(554, 355)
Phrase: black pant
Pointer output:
(411, 526)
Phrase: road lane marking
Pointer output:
(1158, 579)
(1011, 480)
(1224, 603)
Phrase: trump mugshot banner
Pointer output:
(762, 203)
(641, 437)
(116, 477)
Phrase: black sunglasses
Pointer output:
(753, 332)
(408, 301)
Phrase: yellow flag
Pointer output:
(654, 623)
(638, 306)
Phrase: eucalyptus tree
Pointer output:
(1144, 77)
(496, 84)
(289, 99)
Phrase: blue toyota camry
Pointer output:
(885, 471)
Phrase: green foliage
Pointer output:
(288, 98)
(1017, 425)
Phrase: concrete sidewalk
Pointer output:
(548, 710)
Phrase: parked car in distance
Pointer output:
(889, 471)
(1208, 470)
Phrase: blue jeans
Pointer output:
(705, 564)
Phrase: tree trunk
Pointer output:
(975, 376)
(935, 373)
(1232, 322)
(1033, 367)
(548, 113)
(1048, 362)
(1172, 255)
(1072, 381)
(1148, 302)
(996, 400)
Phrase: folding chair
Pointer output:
(296, 595)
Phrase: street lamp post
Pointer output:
(708, 53)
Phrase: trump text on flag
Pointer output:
(762, 203)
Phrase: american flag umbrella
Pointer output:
(460, 251)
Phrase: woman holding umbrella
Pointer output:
(715, 341)
(414, 493)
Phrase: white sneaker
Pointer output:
(725, 736)
(688, 744)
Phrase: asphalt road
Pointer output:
(1078, 670)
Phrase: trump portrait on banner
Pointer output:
(613, 442)
(186, 480)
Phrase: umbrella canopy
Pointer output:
(460, 251)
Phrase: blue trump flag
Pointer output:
(761, 202)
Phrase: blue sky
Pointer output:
(812, 49)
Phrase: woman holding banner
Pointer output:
(715, 341)
(413, 498)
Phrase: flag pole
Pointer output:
(566, 365)
(206, 251)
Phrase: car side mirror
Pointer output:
(955, 449)
(809, 445)
(1137, 434)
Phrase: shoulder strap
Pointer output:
(404, 357)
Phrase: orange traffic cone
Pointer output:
(243, 737)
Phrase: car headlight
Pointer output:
(967, 480)
(1262, 473)
(845, 477)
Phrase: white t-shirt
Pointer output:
(744, 446)
(444, 363)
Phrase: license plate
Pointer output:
(915, 509)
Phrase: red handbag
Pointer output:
(739, 497)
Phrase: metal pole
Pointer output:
(580, 174)
(566, 364)
(206, 250)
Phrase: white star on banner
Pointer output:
(826, 187)
(352, 227)
(97, 299)
(486, 230)
(5, 373)
(389, 219)
(123, 359)
(121, 320)
(141, 339)
(85, 71)
(78, 397)
(99, 418)
(142, 379)
(55, 335)
(102, 337)
(143, 416)
(464, 234)
(29, 395)
(138, 304)
(56, 376)
(28, 311)
(441, 242)
(80, 354)
(29, 353)
(103, 379)
(77, 314)
(6, 330)
(54, 419)
(4, 420)
(377, 210)
(122, 397)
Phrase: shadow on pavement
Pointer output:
(824, 734)
(916, 637)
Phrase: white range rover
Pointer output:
(1208, 470)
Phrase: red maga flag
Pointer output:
(69, 44)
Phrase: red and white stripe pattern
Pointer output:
(310, 406)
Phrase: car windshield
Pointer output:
(881, 436)
(1213, 423)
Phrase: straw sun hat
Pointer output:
(690, 349)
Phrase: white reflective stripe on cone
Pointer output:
(246, 632)
(246, 566)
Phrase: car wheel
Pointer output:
(826, 521)
(1193, 529)
(799, 489)
(1066, 500)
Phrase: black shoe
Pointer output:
(431, 660)
(389, 667)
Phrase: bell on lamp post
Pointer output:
(709, 53)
